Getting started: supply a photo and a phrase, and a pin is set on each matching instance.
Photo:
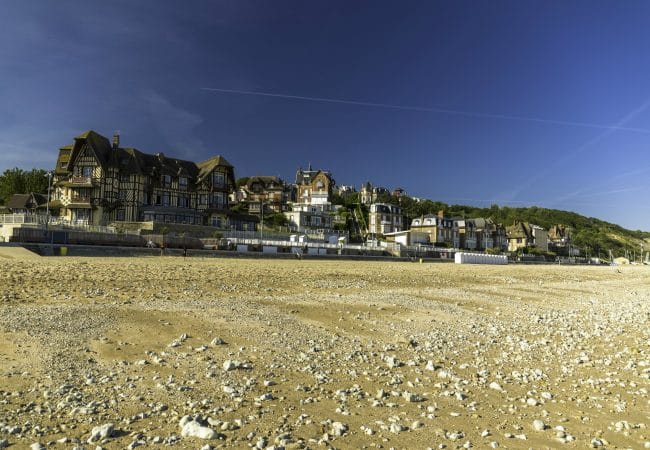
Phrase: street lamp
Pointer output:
(47, 204)
(261, 218)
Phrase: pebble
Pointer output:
(218, 341)
(538, 425)
(195, 429)
(101, 432)
(338, 428)
(496, 386)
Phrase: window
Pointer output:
(82, 215)
(158, 200)
(183, 201)
(182, 183)
(218, 179)
(122, 194)
(203, 199)
(218, 199)
(124, 177)
(87, 171)
(166, 199)
(121, 215)
(166, 180)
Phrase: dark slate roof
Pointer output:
(132, 161)
(306, 176)
(26, 201)
(99, 145)
(265, 182)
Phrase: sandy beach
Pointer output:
(236, 353)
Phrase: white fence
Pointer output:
(479, 258)
(14, 219)
(34, 220)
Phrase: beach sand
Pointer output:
(322, 354)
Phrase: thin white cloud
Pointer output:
(566, 156)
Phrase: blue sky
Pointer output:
(510, 102)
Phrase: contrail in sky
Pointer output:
(566, 156)
(430, 110)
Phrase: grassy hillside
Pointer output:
(588, 233)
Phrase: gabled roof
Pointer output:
(519, 230)
(26, 201)
(99, 146)
(265, 181)
(557, 232)
(207, 166)
(304, 177)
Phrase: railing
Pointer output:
(81, 180)
(22, 218)
(428, 248)
(283, 243)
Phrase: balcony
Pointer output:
(80, 182)
(80, 202)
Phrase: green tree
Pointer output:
(275, 220)
(17, 181)
(239, 208)
(36, 181)
(12, 181)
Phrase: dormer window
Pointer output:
(166, 180)
(319, 185)
(87, 171)
(182, 183)
(218, 179)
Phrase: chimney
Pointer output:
(441, 213)
(116, 139)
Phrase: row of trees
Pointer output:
(19, 181)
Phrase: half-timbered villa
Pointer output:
(99, 182)
(270, 191)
